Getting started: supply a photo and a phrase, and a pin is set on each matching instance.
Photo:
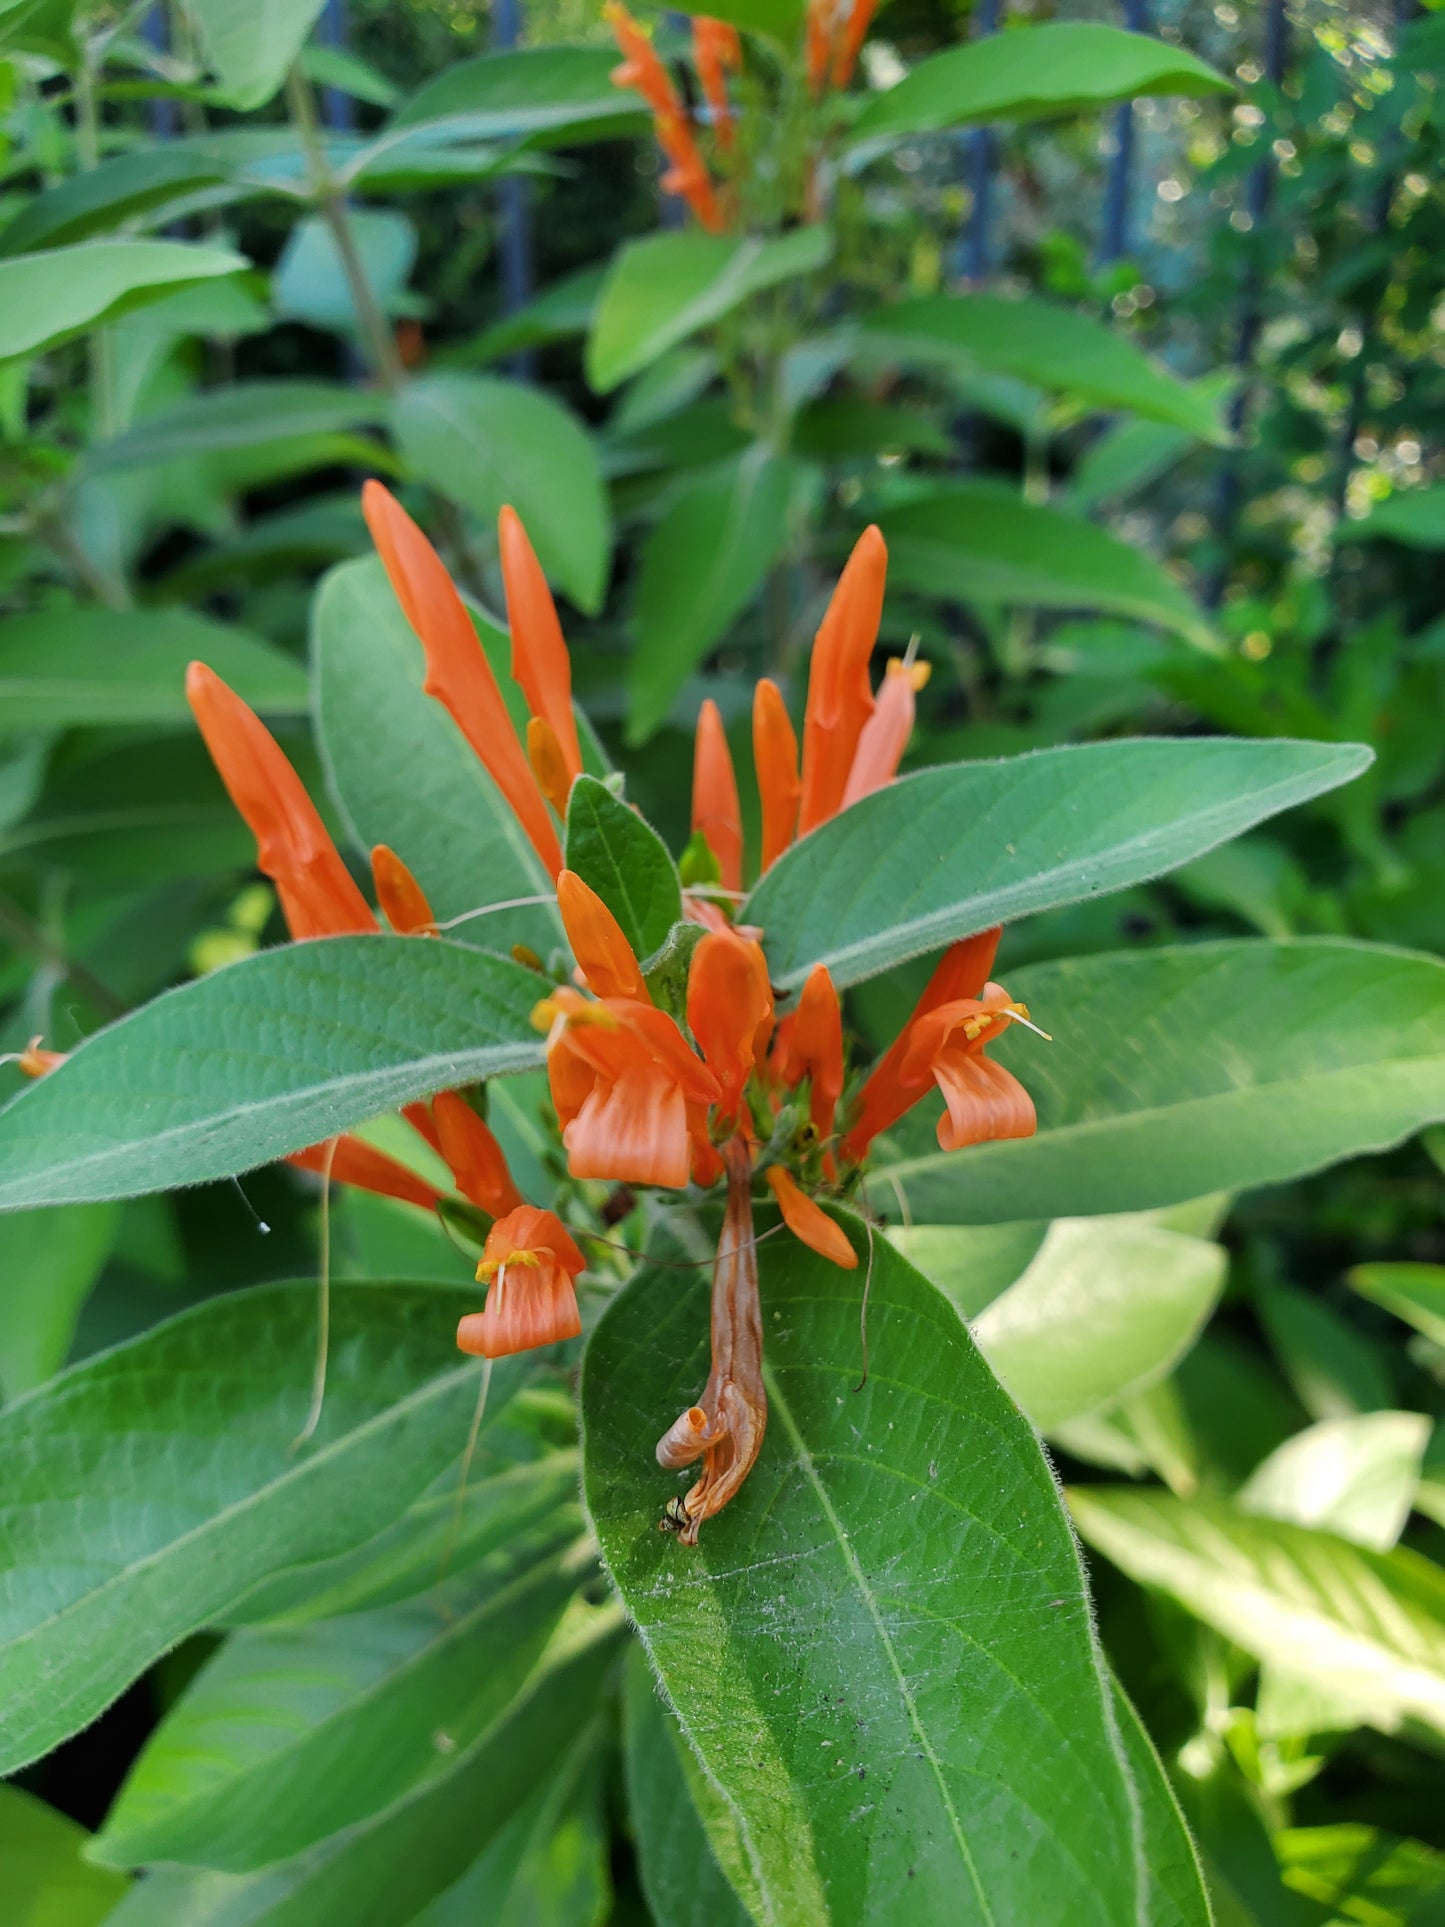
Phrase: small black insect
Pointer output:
(674, 1516)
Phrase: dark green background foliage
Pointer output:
(1155, 446)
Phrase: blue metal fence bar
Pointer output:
(338, 109)
(1258, 194)
(164, 114)
(981, 147)
(1119, 189)
(514, 207)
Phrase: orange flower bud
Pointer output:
(318, 894)
(352, 1161)
(885, 735)
(810, 1044)
(729, 1011)
(35, 1062)
(850, 43)
(597, 941)
(540, 662)
(809, 1221)
(775, 753)
(402, 899)
(478, 1162)
(716, 811)
(840, 695)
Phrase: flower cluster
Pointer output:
(716, 50)
(721, 1085)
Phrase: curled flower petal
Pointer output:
(884, 736)
(775, 754)
(318, 895)
(477, 1161)
(402, 899)
(540, 660)
(808, 1220)
(34, 1061)
(716, 811)
(840, 695)
(457, 671)
(357, 1163)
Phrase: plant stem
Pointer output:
(103, 421)
(376, 339)
(27, 933)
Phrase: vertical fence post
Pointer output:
(981, 149)
(338, 110)
(514, 209)
(1258, 193)
(1119, 190)
(164, 115)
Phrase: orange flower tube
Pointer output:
(540, 660)
(402, 899)
(850, 42)
(597, 941)
(457, 671)
(319, 897)
(775, 754)
(477, 1161)
(355, 1162)
(810, 1044)
(716, 48)
(530, 1262)
(962, 972)
(840, 695)
(885, 735)
(821, 17)
(729, 1012)
(642, 71)
(716, 812)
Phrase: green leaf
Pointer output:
(684, 1884)
(383, 1871)
(242, 415)
(703, 562)
(150, 1487)
(952, 850)
(105, 196)
(47, 1883)
(485, 442)
(1361, 1875)
(403, 774)
(50, 297)
(1413, 516)
(49, 1262)
(1104, 1311)
(1369, 1626)
(1333, 1048)
(558, 313)
(927, 1691)
(1413, 1292)
(1062, 350)
(1354, 1476)
(250, 45)
(665, 287)
(556, 93)
(973, 543)
(61, 668)
(1175, 1891)
(291, 1734)
(40, 27)
(1334, 1369)
(310, 282)
(260, 1058)
(626, 862)
(782, 19)
(1033, 73)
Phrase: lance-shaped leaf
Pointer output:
(260, 1058)
(977, 543)
(1175, 1072)
(1356, 1476)
(953, 850)
(105, 196)
(882, 1659)
(151, 1486)
(1367, 1626)
(537, 93)
(403, 774)
(1414, 1292)
(288, 1735)
(48, 297)
(47, 1883)
(619, 855)
(1061, 350)
(1032, 73)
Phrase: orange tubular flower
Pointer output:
(477, 1161)
(885, 735)
(597, 941)
(530, 1261)
(840, 696)
(730, 1012)
(984, 1100)
(716, 47)
(457, 671)
(810, 1044)
(402, 899)
(716, 812)
(809, 1221)
(775, 754)
(319, 897)
(821, 17)
(851, 42)
(623, 1080)
(642, 71)
(354, 1162)
(962, 973)
(540, 662)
